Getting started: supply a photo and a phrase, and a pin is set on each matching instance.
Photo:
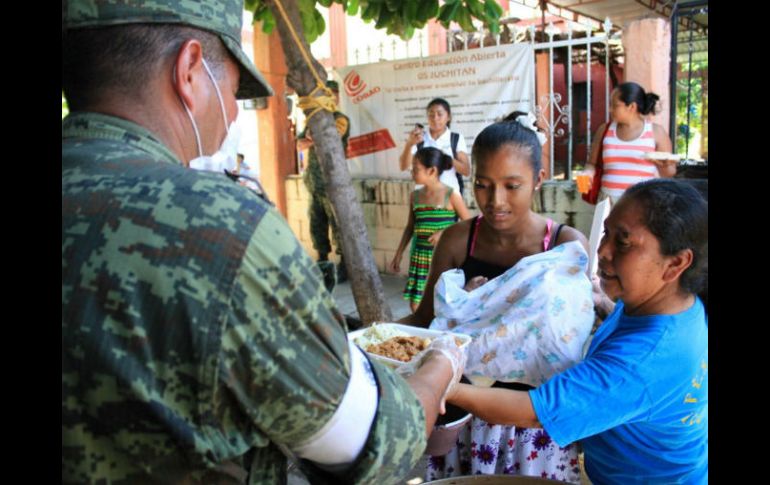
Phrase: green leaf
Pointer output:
(305, 6)
(320, 23)
(268, 22)
(395, 5)
(325, 3)
(395, 27)
(384, 19)
(409, 12)
(475, 8)
(427, 10)
(308, 25)
(417, 23)
(493, 9)
(448, 12)
(464, 19)
(371, 11)
(352, 7)
(264, 15)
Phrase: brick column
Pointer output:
(437, 40)
(647, 45)
(541, 91)
(338, 38)
(276, 144)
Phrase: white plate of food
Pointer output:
(395, 344)
(662, 156)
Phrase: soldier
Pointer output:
(198, 344)
(320, 211)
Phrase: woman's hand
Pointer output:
(395, 265)
(666, 168)
(590, 170)
(453, 391)
(434, 238)
(415, 137)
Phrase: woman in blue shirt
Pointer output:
(639, 400)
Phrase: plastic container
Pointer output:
(583, 183)
(445, 432)
(411, 331)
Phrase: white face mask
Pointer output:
(224, 158)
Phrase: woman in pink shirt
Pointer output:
(628, 138)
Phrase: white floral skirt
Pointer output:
(487, 449)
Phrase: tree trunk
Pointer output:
(364, 278)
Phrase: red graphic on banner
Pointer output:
(367, 143)
(353, 84)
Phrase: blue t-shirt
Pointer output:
(639, 400)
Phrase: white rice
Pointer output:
(377, 334)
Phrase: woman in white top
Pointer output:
(438, 135)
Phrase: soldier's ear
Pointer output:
(189, 78)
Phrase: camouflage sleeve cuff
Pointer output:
(397, 438)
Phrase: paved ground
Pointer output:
(393, 286)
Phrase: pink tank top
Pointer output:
(546, 239)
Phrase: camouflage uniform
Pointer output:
(195, 332)
(320, 210)
(196, 338)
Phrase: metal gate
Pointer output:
(552, 101)
(689, 77)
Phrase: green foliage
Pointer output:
(264, 15)
(64, 108)
(397, 17)
(695, 108)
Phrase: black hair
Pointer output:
(98, 62)
(631, 92)
(509, 132)
(677, 215)
(432, 157)
(444, 104)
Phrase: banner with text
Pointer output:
(386, 99)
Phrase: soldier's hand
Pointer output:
(446, 346)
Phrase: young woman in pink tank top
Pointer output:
(629, 137)
(508, 173)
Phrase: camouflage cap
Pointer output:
(221, 17)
